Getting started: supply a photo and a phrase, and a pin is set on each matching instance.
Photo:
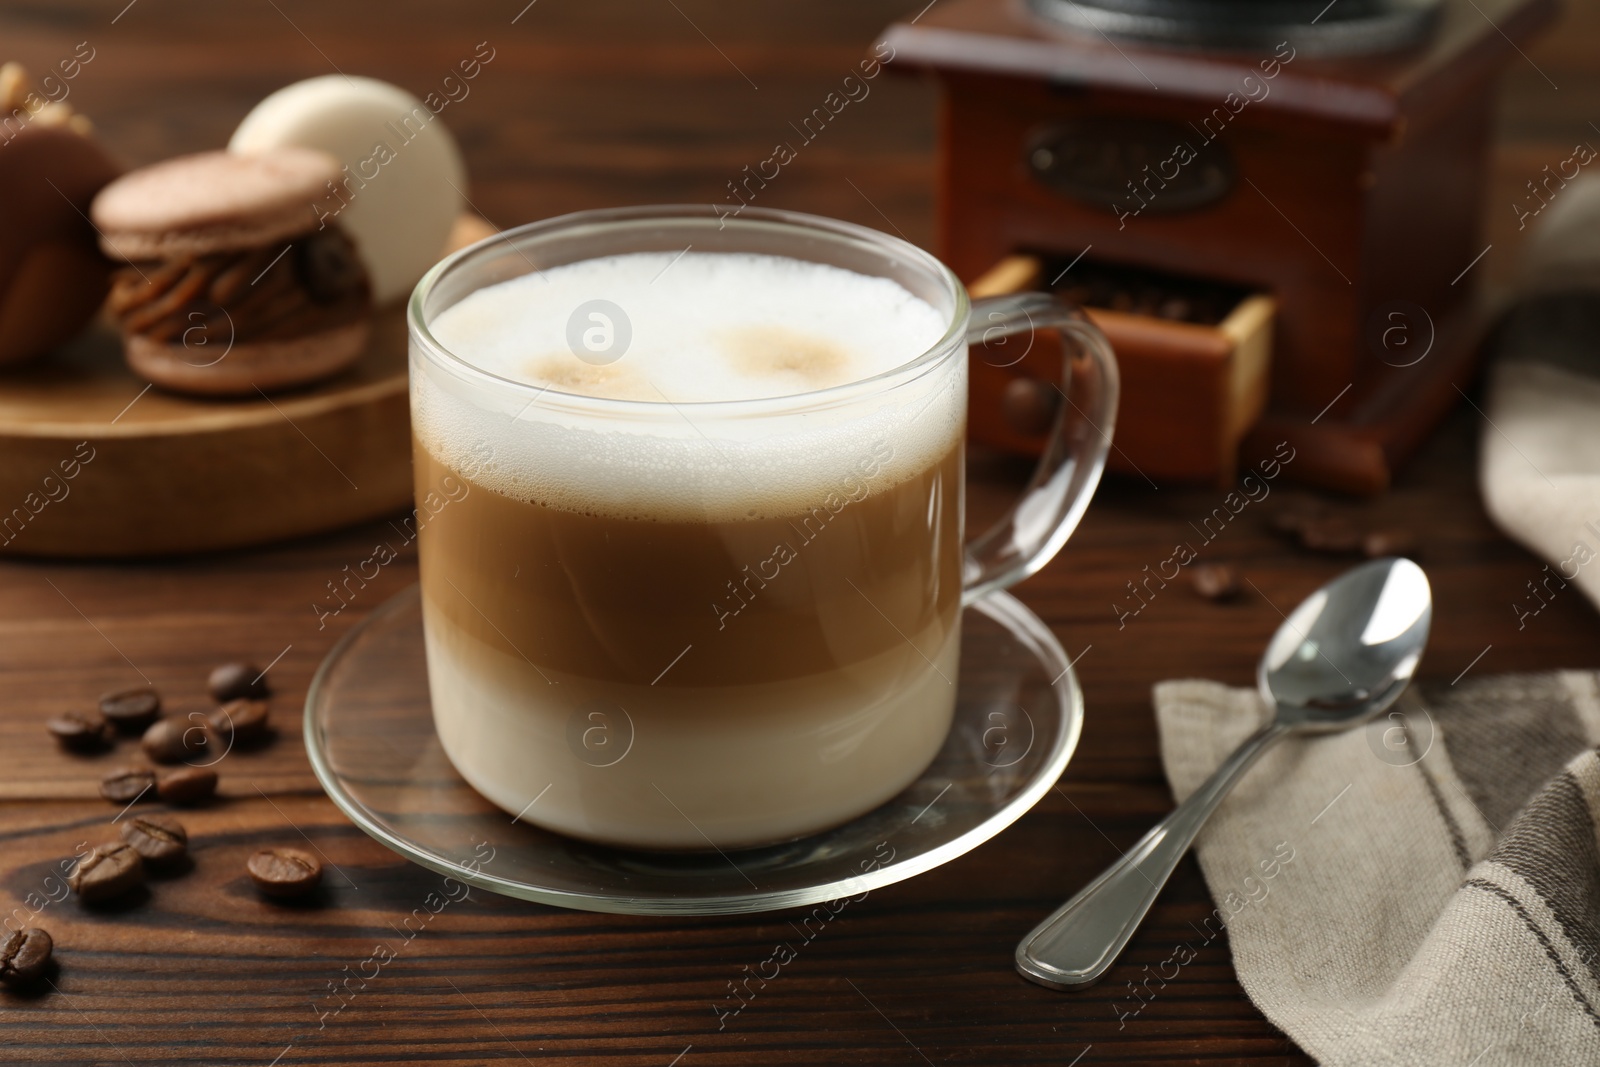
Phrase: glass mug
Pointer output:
(742, 623)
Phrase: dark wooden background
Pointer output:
(593, 104)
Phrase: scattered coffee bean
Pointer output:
(186, 785)
(157, 838)
(285, 872)
(1393, 542)
(1215, 581)
(129, 784)
(237, 681)
(243, 721)
(108, 871)
(1288, 521)
(1335, 536)
(173, 740)
(1295, 512)
(1314, 526)
(81, 731)
(24, 954)
(132, 710)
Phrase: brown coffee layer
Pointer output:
(315, 284)
(696, 603)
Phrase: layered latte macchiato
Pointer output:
(656, 619)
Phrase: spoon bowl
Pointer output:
(1343, 656)
(1349, 650)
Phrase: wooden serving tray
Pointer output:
(93, 462)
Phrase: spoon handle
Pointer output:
(1082, 939)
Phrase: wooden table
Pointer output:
(588, 105)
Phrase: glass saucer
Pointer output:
(369, 733)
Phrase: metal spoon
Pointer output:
(1344, 656)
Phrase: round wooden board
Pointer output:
(96, 462)
(93, 462)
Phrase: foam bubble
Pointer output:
(699, 327)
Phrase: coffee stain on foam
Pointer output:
(568, 374)
(800, 361)
(765, 351)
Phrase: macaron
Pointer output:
(401, 179)
(52, 274)
(237, 279)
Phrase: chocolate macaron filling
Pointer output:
(316, 283)
(234, 284)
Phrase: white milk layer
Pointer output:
(689, 768)
(700, 328)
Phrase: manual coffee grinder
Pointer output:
(1271, 207)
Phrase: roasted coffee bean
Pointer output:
(1334, 535)
(237, 681)
(173, 740)
(1288, 521)
(108, 871)
(1176, 308)
(129, 784)
(24, 954)
(157, 838)
(131, 711)
(81, 731)
(1076, 294)
(186, 785)
(1294, 515)
(1215, 581)
(285, 872)
(244, 721)
(1393, 542)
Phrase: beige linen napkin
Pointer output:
(1422, 891)
(1540, 461)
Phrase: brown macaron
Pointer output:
(236, 282)
(52, 274)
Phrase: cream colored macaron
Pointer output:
(402, 182)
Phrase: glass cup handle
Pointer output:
(1033, 531)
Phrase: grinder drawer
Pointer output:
(1193, 356)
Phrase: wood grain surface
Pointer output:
(590, 105)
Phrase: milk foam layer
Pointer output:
(704, 327)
